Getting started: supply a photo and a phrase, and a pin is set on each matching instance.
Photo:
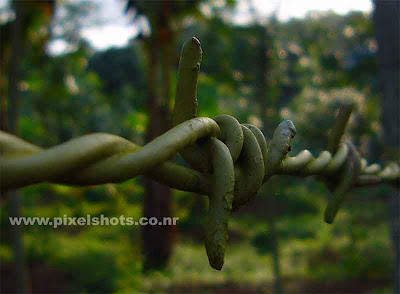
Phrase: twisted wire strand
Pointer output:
(305, 164)
(104, 158)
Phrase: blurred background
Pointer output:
(71, 68)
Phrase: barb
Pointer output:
(186, 99)
(339, 127)
(350, 173)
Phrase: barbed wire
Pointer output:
(102, 158)
(229, 161)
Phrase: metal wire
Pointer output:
(229, 161)
(104, 158)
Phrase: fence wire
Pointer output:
(229, 161)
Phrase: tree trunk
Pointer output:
(158, 240)
(386, 18)
(262, 86)
(13, 113)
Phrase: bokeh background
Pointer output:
(79, 67)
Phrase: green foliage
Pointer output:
(127, 70)
(371, 261)
(313, 111)
(90, 262)
(314, 64)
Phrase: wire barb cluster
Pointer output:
(229, 161)
(239, 161)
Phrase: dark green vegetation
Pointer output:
(313, 65)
